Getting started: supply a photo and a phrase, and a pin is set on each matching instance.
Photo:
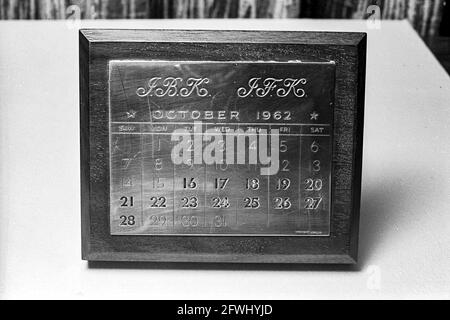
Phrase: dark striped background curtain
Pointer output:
(425, 15)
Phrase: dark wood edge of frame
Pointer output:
(358, 147)
(222, 36)
(89, 37)
(84, 144)
(221, 258)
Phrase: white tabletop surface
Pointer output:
(405, 212)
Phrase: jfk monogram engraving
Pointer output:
(174, 87)
(270, 86)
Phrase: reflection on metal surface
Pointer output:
(221, 148)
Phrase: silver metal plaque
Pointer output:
(220, 148)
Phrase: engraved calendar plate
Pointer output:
(220, 148)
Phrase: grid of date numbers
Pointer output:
(151, 195)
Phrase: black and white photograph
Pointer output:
(224, 150)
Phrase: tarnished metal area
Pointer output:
(221, 148)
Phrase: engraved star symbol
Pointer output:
(314, 116)
(131, 114)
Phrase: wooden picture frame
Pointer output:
(346, 50)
